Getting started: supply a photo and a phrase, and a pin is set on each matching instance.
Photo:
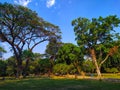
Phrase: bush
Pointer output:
(114, 70)
(64, 69)
(88, 66)
(111, 70)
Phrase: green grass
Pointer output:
(58, 84)
(111, 75)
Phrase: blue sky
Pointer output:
(62, 12)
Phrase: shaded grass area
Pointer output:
(57, 84)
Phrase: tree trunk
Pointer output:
(77, 67)
(49, 72)
(103, 61)
(93, 56)
(19, 71)
(26, 67)
(18, 54)
(19, 68)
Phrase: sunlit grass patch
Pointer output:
(111, 75)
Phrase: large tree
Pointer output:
(20, 27)
(52, 49)
(70, 54)
(98, 37)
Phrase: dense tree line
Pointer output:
(98, 48)
(63, 64)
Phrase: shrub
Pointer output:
(111, 70)
(64, 69)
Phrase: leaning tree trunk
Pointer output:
(93, 55)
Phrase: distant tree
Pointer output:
(88, 66)
(3, 67)
(27, 55)
(35, 67)
(96, 36)
(45, 66)
(20, 27)
(2, 50)
(70, 54)
(32, 66)
(63, 68)
(37, 56)
(52, 50)
(11, 66)
(52, 47)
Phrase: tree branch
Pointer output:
(104, 60)
(38, 43)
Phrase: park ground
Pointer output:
(61, 83)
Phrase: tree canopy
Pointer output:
(97, 36)
(70, 54)
(20, 27)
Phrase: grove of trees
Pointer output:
(98, 48)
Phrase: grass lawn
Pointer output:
(58, 84)
(108, 75)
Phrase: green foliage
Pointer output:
(113, 61)
(34, 67)
(95, 32)
(2, 50)
(27, 54)
(37, 56)
(98, 37)
(11, 66)
(53, 46)
(22, 29)
(2, 68)
(69, 53)
(111, 70)
(45, 65)
(64, 69)
(88, 66)
(31, 69)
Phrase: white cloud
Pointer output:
(22, 2)
(50, 3)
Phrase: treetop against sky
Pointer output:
(62, 12)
